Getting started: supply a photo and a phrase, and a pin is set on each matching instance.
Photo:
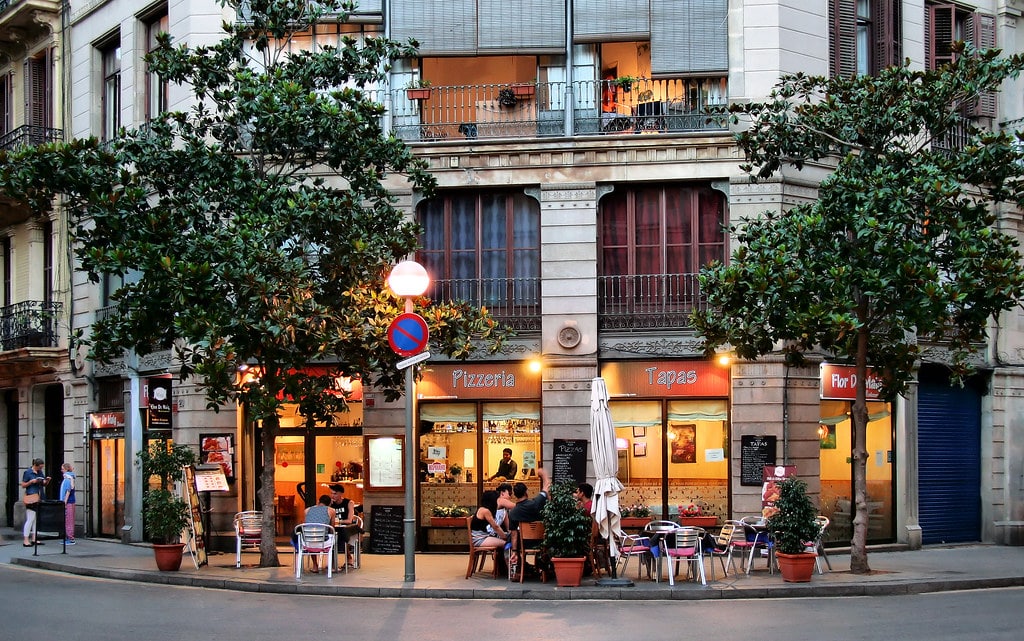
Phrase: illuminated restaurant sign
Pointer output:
(839, 382)
(666, 378)
(479, 380)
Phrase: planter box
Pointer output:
(419, 93)
(635, 522)
(447, 521)
(699, 521)
(524, 90)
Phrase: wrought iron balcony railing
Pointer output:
(648, 301)
(537, 110)
(514, 302)
(29, 324)
(29, 135)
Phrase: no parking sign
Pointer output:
(408, 334)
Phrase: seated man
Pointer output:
(526, 510)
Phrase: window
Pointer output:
(864, 36)
(946, 24)
(156, 88)
(661, 230)
(5, 245)
(483, 247)
(111, 90)
(6, 104)
(39, 90)
(47, 263)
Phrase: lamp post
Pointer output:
(409, 279)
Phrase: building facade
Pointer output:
(582, 183)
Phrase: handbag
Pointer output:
(31, 499)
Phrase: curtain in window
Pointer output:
(689, 411)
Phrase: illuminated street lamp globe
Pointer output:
(408, 279)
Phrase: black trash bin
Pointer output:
(50, 519)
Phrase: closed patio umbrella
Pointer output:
(605, 508)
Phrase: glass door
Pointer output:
(108, 514)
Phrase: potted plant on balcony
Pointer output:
(791, 522)
(524, 89)
(567, 533)
(626, 82)
(448, 516)
(418, 89)
(165, 514)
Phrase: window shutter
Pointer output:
(689, 36)
(942, 19)
(887, 33)
(603, 20)
(514, 25)
(842, 45)
(36, 92)
(440, 26)
(983, 35)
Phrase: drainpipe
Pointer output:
(389, 103)
(785, 414)
(569, 103)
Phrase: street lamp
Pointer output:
(409, 279)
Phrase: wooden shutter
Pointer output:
(610, 20)
(440, 26)
(36, 92)
(886, 46)
(689, 36)
(516, 25)
(842, 45)
(982, 30)
(942, 23)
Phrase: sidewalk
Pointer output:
(931, 569)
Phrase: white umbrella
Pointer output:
(605, 508)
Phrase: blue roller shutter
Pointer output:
(949, 463)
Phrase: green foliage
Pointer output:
(257, 225)
(792, 524)
(450, 511)
(567, 528)
(164, 513)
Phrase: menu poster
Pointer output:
(773, 474)
(219, 449)
(387, 529)
(755, 453)
(570, 460)
(384, 457)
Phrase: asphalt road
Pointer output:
(36, 604)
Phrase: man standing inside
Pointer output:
(507, 468)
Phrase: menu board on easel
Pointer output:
(194, 539)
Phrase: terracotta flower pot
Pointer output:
(569, 571)
(796, 568)
(447, 521)
(418, 93)
(168, 557)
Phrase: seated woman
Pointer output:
(484, 527)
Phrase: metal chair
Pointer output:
(314, 540)
(725, 546)
(757, 537)
(683, 545)
(633, 546)
(478, 555)
(354, 544)
(248, 533)
(818, 545)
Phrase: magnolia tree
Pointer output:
(253, 228)
(903, 244)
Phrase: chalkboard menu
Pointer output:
(387, 529)
(570, 461)
(755, 453)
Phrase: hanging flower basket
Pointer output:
(418, 93)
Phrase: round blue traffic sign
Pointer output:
(408, 334)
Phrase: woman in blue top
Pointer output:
(67, 494)
(34, 481)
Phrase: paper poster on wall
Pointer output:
(384, 456)
(436, 452)
(529, 460)
(714, 455)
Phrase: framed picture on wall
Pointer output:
(639, 449)
(639, 432)
(683, 443)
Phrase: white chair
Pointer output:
(248, 533)
(633, 545)
(757, 538)
(818, 544)
(354, 544)
(682, 545)
(314, 540)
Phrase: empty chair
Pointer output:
(285, 513)
(636, 546)
(248, 533)
(818, 545)
(314, 540)
(683, 545)
(756, 537)
(353, 544)
(478, 555)
(725, 547)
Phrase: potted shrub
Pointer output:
(626, 82)
(418, 89)
(567, 534)
(791, 522)
(164, 514)
(635, 516)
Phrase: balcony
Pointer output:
(514, 302)
(22, 20)
(29, 324)
(648, 301)
(537, 110)
(29, 135)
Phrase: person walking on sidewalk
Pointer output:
(67, 494)
(33, 480)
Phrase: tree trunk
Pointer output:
(268, 544)
(859, 454)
